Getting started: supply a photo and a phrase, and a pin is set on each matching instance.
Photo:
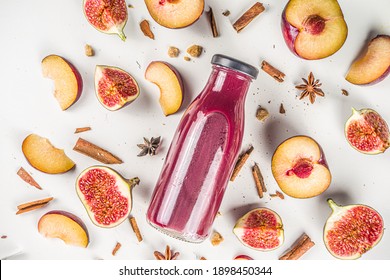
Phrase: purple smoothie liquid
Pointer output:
(201, 158)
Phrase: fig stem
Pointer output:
(133, 182)
(122, 35)
(332, 204)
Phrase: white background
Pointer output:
(33, 29)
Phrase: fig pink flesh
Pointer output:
(104, 14)
(102, 196)
(262, 230)
(356, 232)
(115, 87)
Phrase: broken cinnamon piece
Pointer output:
(25, 176)
(145, 28)
(116, 248)
(248, 16)
(240, 163)
(95, 152)
(32, 205)
(277, 194)
(281, 109)
(89, 50)
(212, 22)
(300, 247)
(344, 92)
(259, 180)
(272, 71)
(82, 129)
(216, 238)
(135, 228)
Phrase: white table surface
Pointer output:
(33, 29)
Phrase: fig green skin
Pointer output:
(130, 99)
(130, 183)
(338, 210)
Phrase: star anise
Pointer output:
(149, 146)
(167, 256)
(311, 88)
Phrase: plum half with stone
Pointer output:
(260, 229)
(373, 65)
(367, 132)
(107, 16)
(68, 83)
(169, 81)
(300, 168)
(106, 195)
(352, 230)
(175, 13)
(314, 29)
(114, 87)
(65, 226)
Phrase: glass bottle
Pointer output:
(202, 154)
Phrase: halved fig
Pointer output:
(352, 230)
(373, 65)
(114, 87)
(107, 16)
(106, 195)
(260, 229)
(367, 131)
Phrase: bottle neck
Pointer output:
(228, 82)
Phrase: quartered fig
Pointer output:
(114, 87)
(260, 229)
(352, 230)
(107, 16)
(367, 131)
(106, 195)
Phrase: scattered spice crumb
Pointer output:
(82, 129)
(226, 13)
(130, 6)
(216, 238)
(4, 236)
(277, 194)
(173, 51)
(345, 92)
(202, 258)
(262, 114)
(116, 248)
(281, 109)
(135, 228)
(89, 50)
(145, 28)
(195, 50)
(219, 213)
(186, 58)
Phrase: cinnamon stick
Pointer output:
(272, 71)
(259, 180)
(145, 28)
(95, 152)
(82, 129)
(25, 176)
(300, 247)
(248, 16)
(212, 22)
(277, 194)
(116, 248)
(32, 205)
(135, 228)
(240, 163)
